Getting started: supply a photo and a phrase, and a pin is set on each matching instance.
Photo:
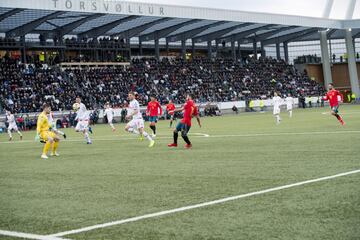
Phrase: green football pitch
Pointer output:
(118, 177)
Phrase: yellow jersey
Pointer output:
(42, 123)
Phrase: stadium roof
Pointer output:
(153, 21)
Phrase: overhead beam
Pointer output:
(101, 30)
(10, 13)
(264, 36)
(193, 32)
(330, 33)
(68, 28)
(286, 37)
(356, 35)
(132, 32)
(219, 33)
(165, 31)
(52, 24)
(303, 35)
(245, 33)
(29, 27)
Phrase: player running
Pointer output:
(12, 125)
(170, 109)
(109, 113)
(184, 125)
(277, 102)
(52, 124)
(332, 97)
(153, 111)
(289, 104)
(136, 125)
(82, 116)
(45, 135)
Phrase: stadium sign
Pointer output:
(164, 10)
(110, 6)
(93, 6)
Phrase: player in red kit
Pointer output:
(170, 108)
(332, 97)
(153, 111)
(184, 125)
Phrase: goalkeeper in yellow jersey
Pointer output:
(46, 136)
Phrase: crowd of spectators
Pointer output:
(25, 87)
(105, 42)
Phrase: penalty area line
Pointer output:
(200, 205)
(29, 235)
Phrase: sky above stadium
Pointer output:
(312, 8)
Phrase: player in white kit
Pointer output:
(277, 102)
(289, 104)
(109, 112)
(12, 125)
(136, 125)
(52, 123)
(83, 118)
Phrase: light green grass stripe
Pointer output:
(200, 205)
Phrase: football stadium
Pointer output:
(179, 120)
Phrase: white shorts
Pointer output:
(289, 108)
(110, 120)
(136, 123)
(82, 125)
(276, 111)
(13, 126)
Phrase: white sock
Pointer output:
(145, 134)
(87, 138)
(112, 125)
(278, 119)
(60, 132)
(9, 132)
(19, 133)
(290, 113)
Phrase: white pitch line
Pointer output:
(29, 235)
(200, 205)
(200, 135)
(282, 134)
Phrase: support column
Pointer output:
(209, 49)
(216, 47)
(167, 47)
(354, 79)
(62, 49)
(263, 53)
(96, 55)
(255, 49)
(157, 49)
(239, 50)
(129, 46)
(286, 52)
(233, 50)
(325, 58)
(23, 50)
(193, 49)
(183, 49)
(278, 55)
(140, 48)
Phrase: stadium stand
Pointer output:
(25, 87)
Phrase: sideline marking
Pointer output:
(29, 235)
(200, 205)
